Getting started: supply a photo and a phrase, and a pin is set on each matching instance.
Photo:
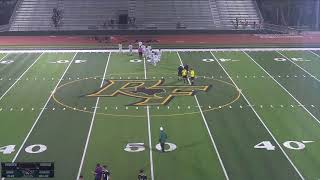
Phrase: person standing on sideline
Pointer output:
(140, 52)
(192, 76)
(162, 139)
(130, 49)
(120, 47)
(142, 175)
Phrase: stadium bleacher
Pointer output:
(35, 15)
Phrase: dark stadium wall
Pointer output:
(6, 8)
(296, 13)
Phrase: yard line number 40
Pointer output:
(293, 145)
(32, 149)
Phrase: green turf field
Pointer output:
(252, 113)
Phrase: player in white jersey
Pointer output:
(120, 47)
(130, 49)
(143, 47)
(140, 43)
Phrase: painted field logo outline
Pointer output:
(151, 92)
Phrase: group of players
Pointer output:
(152, 56)
(188, 75)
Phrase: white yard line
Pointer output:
(20, 77)
(4, 56)
(283, 88)
(298, 66)
(209, 132)
(92, 121)
(164, 50)
(296, 169)
(314, 53)
(44, 107)
(149, 126)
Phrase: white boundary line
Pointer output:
(20, 76)
(298, 66)
(209, 132)
(283, 87)
(164, 50)
(260, 117)
(149, 126)
(92, 120)
(35, 123)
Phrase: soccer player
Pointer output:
(105, 173)
(98, 172)
(139, 43)
(186, 66)
(140, 52)
(184, 73)
(192, 76)
(180, 68)
(141, 175)
(130, 49)
(120, 47)
(162, 139)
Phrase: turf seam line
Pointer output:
(92, 120)
(281, 106)
(209, 132)
(298, 66)
(149, 126)
(36, 121)
(21, 76)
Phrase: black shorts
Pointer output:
(140, 53)
(192, 78)
(185, 77)
(179, 73)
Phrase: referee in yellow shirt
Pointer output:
(192, 76)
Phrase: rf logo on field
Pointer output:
(151, 92)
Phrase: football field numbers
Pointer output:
(293, 59)
(6, 62)
(139, 147)
(221, 59)
(135, 60)
(293, 145)
(32, 149)
(78, 61)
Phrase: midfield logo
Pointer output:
(151, 92)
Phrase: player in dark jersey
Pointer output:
(105, 173)
(141, 175)
(180, 68)
(186, 67)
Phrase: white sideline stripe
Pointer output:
(264, 123)
(206, 124)
(149, 126)
(298, 66)
(284, 89)
(164, 50)
(92, 120)
(315, 53)
(20, 76)
(35, 123)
